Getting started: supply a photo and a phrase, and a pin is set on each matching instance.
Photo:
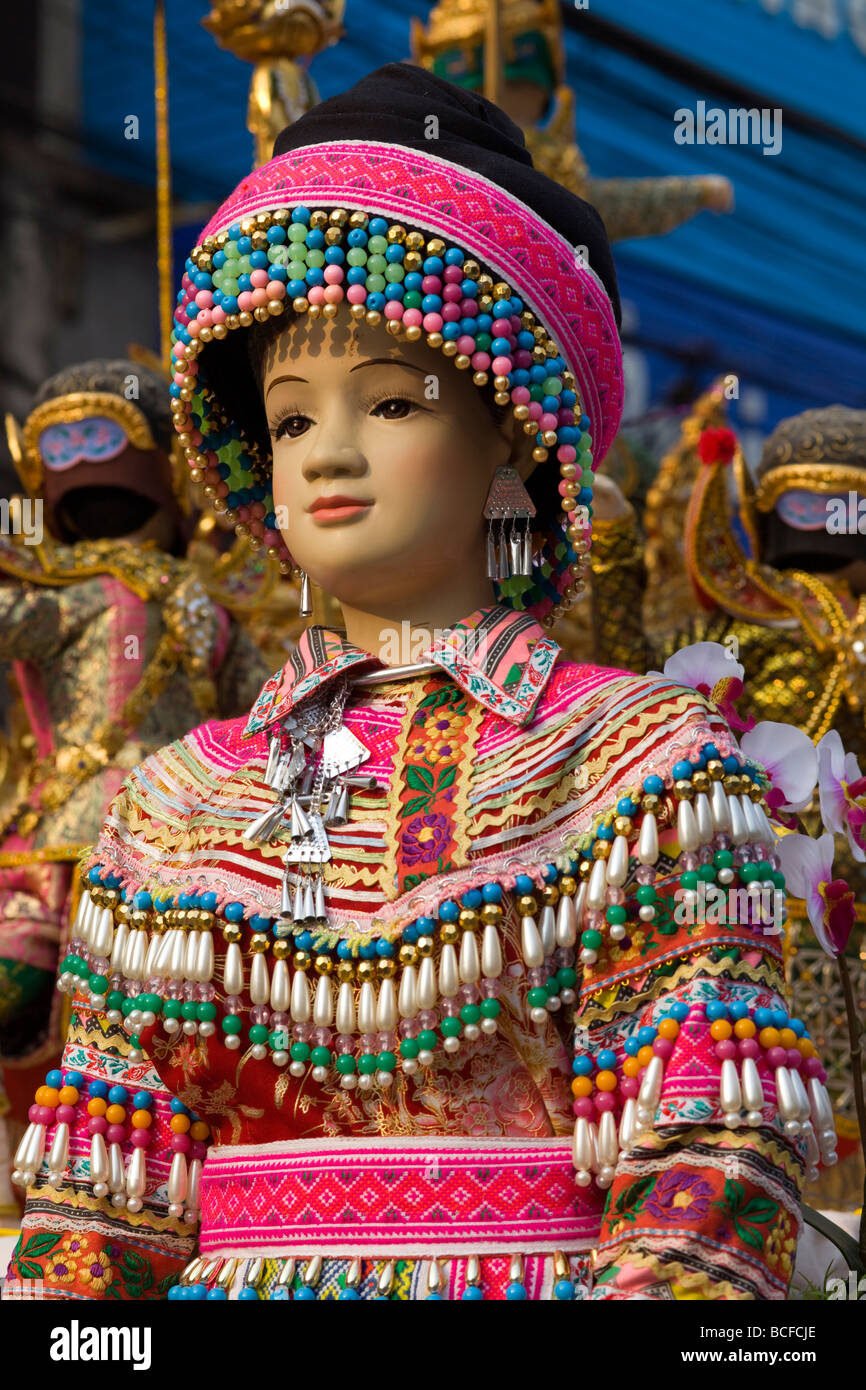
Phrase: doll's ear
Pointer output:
(522, 445)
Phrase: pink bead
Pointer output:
(629, 1087)
(97, 1124)
(663, 1047)
(259, 298)
(198, 1149)
(431, 284)
(181, 1143)
(605, 1100)
(316, 294)
(356, 294)
(549, 421)
(725, 1049)
(533, 409)
(222, 489)
(218, 314)
(566, 417)
(451, 294)
(46, 1115)
(140, 1138)
(276, 289)
(204, 299)
(821, 1075)
(243, 513)
(33, 1114)
(776, 1057)
(795, 1061)
(413, 318)
(194, 329)
(453, 275)
(258, 279)
(502, 366)
(466, 344)
(212, 476)
(245, 301)
(481, 361)
(65, 1114)
(584, 1106)
(115, 1134)
(334, 275)
(566, 453)
(196, 437)
(257, 510)
(520, 396)
(522, 358)
(271, 538)
(748, 1047)
(451, 313)
(811, 1066)
(433, 323)
(468, 309)
(393, 309)
(562, 487)
(257, 527)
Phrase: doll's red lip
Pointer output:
(338, 503)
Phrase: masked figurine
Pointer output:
(114, 644)
(384, 991)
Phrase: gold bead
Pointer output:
(323, 965)
(415, 242)
(521, 412)
(260, 315)
(219, 331)
(461, 362)
(449, 933)
(396, 234)
(259, 240)
(700, 780)
(301, 960)
(584, 868)
(301, 304)
(568, 885)
(259, 943)
(501, 290)
(449, 348)
(715, 769)
(480, 379)
(339, 217)
(539, 454)
(319, 218)
(468, 919)
(425, 945)
(408, 955)
(413, 260)
(358, 219)
(471, 270)
(281, 948)
(732, 784)
(651, 802)
(412, 333)
(622, 825)
(526, 905)
(345, 971)
(683, 789)
(549, 895)
(366, 970)
(491, 913)
(549, 438)
(601, 849)
(231, 932)
(387, 967)
(281, 216)
(248, 226)
(755, 792)
(275, 307)
(436, 246)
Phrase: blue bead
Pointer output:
(377, 226)
(175, 1292)
(550, 873)
(367, 952)
(434, 1298)
(425, 925)
(94, 875)
(142, 1100)
(523, 884)
(384, 948)
(680, 1011)
(259, 260)
(219, 259)
(177, 1106)
(549, 404)
(413, 280)
(492, 892)
(583, 1065)
(98, 1090)
(606, 1059)
(395, 291)
(780, 1018)
(762, 1018)
(233, 912)
(75, 1078)
(715, 1010)
(472, 899)
(682, 770)
(234, 231)
(515, 1292)
(625, 806)
(247, 1295)
(632, 1047)
(730, 764)
(356, 275)
(216, 1294)
(738, 1010)
(344, 950)
(304, 940)
(349, 1293)
(305, 1294)
(584, 423)
(564, 1290)
(411, 933)
(197, 1292)
(118, 1095)
(376, 301)
(244, 283)
(301, 214)
(335, 255)
(357, 237)
(276, 237)
(605, 832)
(433, 265)
(502, 309)
(454, 256)
(245, 245)
(230, 303)
(795, 1024)
(472, 1294)
(646, 1035)
(431, 304)
(653, 785)
(54, 1078)
(450, 331)
(485, 323)
(395, 254)
(296, 288)
(449, 912)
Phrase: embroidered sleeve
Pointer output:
(699, 1101)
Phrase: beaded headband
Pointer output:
(265, 252)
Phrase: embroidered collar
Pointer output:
(501, 658)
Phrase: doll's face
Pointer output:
(395, 426)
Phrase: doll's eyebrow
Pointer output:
(387, 362)
(277, 379)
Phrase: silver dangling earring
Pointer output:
(509, 501)
(306, 606)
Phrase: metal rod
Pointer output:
(395, 673)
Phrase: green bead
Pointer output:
(483, 342)
(316, 258)
(113, 999)
(491, 1008)
(300, 1051)
(591, 939)
(99, 983)
(386, 1061)
(231, 1023)
(707, 873)
(470, 1013)
(206, 1012)
(345, 1063)
(188, 1009)
(412, 299)
(395, 273)
(375, 284)
(377, 246)
(278, 1040)
(567, 977)
(135, 1040)
(778, 878)
(616, 915)
(450, 1027)
(537, 997)
(297, 231)
(646, 895)
(258, 1033)
(689, 879)
(377, 265)
(551, 986)
(427, 1040)
(367, 1063)
(172, 1008)
(749, 873)
(321, 1057)
(409, 1048)
(296, 270)
(552, 386)
(723, 859)
(356, 255)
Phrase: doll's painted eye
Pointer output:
(391, 407)
(290, 425)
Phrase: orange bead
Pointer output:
(669, 1028)
(96, 1106)
(631, 1066)
(199, 1130)
(805, 1047)
(179, 1124)
(68, 1095)
(769, 1037)
(115, 1114)
(720, 1030)
(48, 1095)
(581, 1086)
(787, 1037)
(142, 1119)
(745, 1028)
(645, 1056)
(606, 1081)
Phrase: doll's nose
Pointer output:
(334, 462)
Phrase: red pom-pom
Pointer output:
(717, 446)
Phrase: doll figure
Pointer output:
(394, 988)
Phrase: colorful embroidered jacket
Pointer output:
(512, 957)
